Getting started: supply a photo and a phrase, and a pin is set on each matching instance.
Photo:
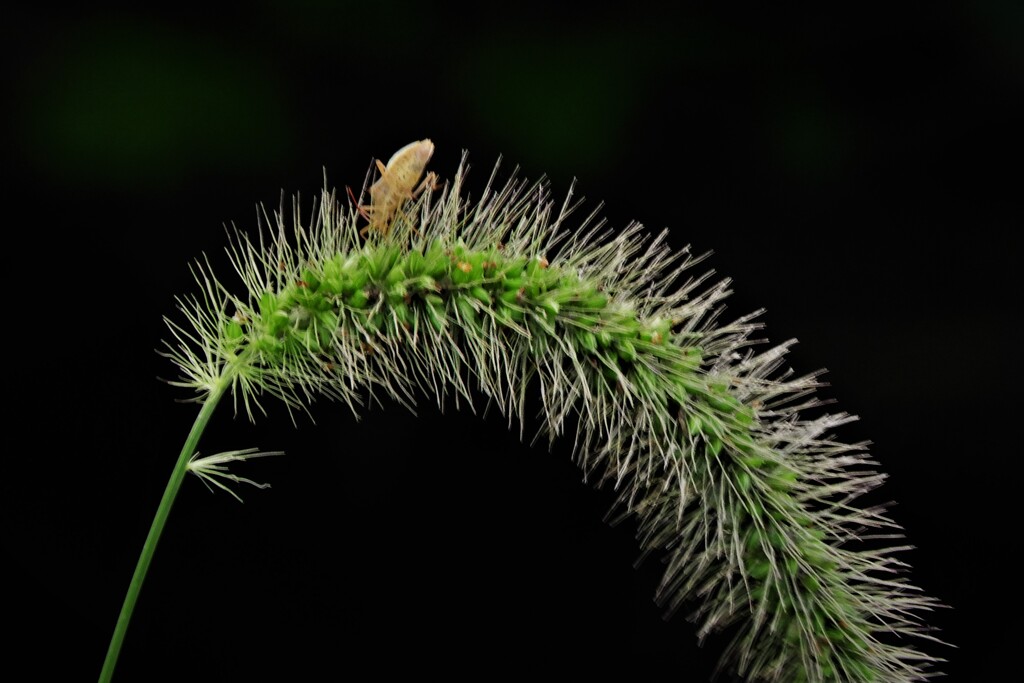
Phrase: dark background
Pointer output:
(856, 172)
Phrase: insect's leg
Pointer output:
(412, 226)
(381, 167)
(352, 197)
(372, 224)
(363, 210)
(430, 181)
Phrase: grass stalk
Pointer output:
(156, 529)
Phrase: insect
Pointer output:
(397, 184)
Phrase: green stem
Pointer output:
(159, 521)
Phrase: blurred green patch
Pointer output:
(810, 140)
(564, 97)
(1000, 25)
(581, 92)
(130, 106)
(375, 30)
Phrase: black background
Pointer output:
(855, 171)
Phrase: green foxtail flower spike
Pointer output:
(725, 460)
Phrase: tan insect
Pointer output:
(397, 185)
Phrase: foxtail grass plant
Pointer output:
(728, 464)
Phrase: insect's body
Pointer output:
(397, 184)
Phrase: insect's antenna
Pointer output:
(351, 196)
(366, 180)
